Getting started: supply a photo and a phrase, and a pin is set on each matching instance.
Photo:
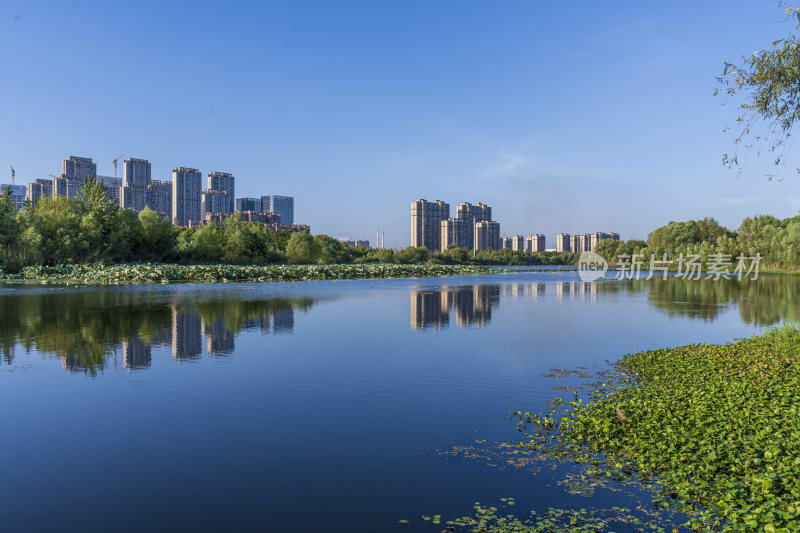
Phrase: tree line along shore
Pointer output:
(90, 229)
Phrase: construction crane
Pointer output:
(13, 173)
(115, 164)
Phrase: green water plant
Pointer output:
(213, 273)
(712, 430)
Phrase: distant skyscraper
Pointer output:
(159, 198)
(215, 201)
(136, 172)
(596, 237)
(487, 235)
(518, 243)
(563, 242)
(470, 214)
(505, 243)
(222, 181)
(78, 167)
(18, 194)
(39, 188)
(136, 177)
(475, 213)
(456, 232)
(283, 205)
(426, 223)
(535, 243)
(248, 204)
(187, 188)
(74, 171)
(576, 243)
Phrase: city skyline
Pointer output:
(366, 118)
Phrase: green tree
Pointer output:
(158, 236)
(301, 248)
(412, 255)
(206, 244)
(245, 242)
(767, 86)
(9, 230)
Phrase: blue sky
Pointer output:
(563, 116)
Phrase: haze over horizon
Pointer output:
(560, 117)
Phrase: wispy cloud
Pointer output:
(518, 160)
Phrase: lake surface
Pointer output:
(316, 406)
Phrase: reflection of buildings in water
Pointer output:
(428, 311)
(278, 321)
(283, 321)
(576, 291)
(186, 332)
(523, 290)
(136, 353)
(220, 340)
(187, 340)
(472, 306)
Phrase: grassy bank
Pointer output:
(166, 273)
(713, 430)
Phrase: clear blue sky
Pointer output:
(563, 116)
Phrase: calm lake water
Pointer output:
(316, 406)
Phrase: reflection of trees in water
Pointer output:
(762, 302)
(471, 304)
(86, 328)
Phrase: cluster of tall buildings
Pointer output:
(531, 243)
(582, 243)
(184, 201)
(472, 228)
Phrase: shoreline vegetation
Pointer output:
(710, 430)
(221, 273)
(776, 241)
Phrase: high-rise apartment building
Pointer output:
(596, 237)
(159, 198)
(563, 242)
(187, 190)
(78, 167)
(74, 171)
(18, 194)
(283, 205)
(456, 232)
(136, 178)
(248, 204)
(518, 243)
(223, 181)
(136, 172)
(535, 243)
(215, 201)
(426, 223)
(487, 235)
(475, 213)
(576, 243)
(505, 243)
(472, 214)
(39, 188)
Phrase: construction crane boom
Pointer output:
(115, 164)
